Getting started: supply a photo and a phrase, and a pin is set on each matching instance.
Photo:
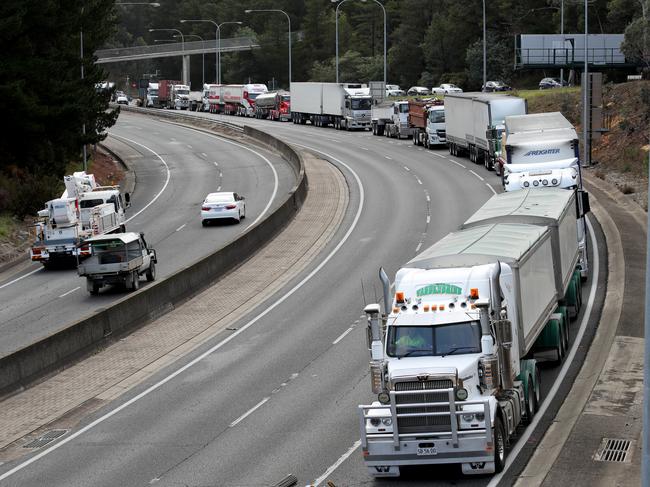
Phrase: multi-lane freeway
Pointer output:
(175, 168)
(281, 397)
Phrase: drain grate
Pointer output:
(48, 437)
(614, 450)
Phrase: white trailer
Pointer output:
(475, 122)
(542, 150)
(344, 105)
(454, 363)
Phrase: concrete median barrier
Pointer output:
(97, 330)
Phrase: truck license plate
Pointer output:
(427, 451)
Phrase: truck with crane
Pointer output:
(454, 357)
(345, 106)
(427, 121)
(475, 122)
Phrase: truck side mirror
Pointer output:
(584, 203)
(491, 133)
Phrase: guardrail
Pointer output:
(87, 335)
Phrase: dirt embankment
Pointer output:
(620, 155)
(16, 237)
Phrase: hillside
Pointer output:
(621, 154)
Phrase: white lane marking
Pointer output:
(249, 412)
(181, 227)
(439, 155)
(419, 148)
(336, 464)
(476, 175)
(428, 218)
(428, 198)
(216, 163)
(204, 154)
(457, 163)
(21, 277)
(419, 180)
(365, 148)
(417, 249)
(406, 168)
(169, 174)
(523, 439)
(172, 138)
(491, 188)
(189, 146)
(276, 182)
(69, 292)
(388, 157)
(219, 345)
(342, 336)
(218, 188)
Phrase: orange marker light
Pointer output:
(442, 307)
(399, 296)
(473, 293)
(426, 307)
(434, 307)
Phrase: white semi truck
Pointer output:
(427, 121)
(180, 94)
(345, 106)
(84, 210)
(391, 119)
(475, 122)
(453, 358)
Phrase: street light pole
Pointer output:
(563, 42)
(585, 93)
(484, 50)
(336, 16)
(182, 46)
(289, 20)
(202, 56)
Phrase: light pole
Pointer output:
(289, 20)
(182, 48)
(585, 90)
(202, 55)
(218, 38)
(562, 34)
(336, 16)
(150, 4)
(484, 51)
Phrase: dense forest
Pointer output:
(429, 41)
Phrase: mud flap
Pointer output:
(384, 471)
(477, 468)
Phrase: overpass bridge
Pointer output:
(173, 49)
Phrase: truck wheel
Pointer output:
(559, 348)
(92, 287)
(499, 445)
(151, 272)
(531, 400)
(136, 281)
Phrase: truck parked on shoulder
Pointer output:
(345, 106)
(391, 119)
(119, 258)
(454, 358)
(475, 122)
(427, 121)
(83, 210)
(275, 105)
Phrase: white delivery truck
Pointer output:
(475, 122)
(84, 210)
(180, 96)
(152, 96)
(344, 105)
(453, 358)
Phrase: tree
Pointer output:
(499, 61)
(636, 43)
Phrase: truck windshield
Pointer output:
(286, 97)
(252, 96)
(437, 116)
(152, 92)
(404, 108)
(90, 203)
(361, 103)
(440, 340)
(183, 92)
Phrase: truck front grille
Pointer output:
(424, 392)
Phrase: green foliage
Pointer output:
(498, 66)
(41, 90)
(636, 44)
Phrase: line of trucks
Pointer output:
(455, 353)
(87, 226)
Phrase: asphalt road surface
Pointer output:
(175, 168)
(282, 396)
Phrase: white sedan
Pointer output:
(445, 88)
(217, 206)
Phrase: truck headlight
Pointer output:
(387, 421)
(375, 422)
(526, 184)
(468, 418)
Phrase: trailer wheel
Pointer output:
(531, 399)
(499, 445)
(380, 130)
(559, 348)
(151, 272)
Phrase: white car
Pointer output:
(218, 206)
(394, 90)
(122, 99)
(445, 88)
(418, 90)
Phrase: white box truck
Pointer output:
(475, 122)
(453, 358)
(345, 106)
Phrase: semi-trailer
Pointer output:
(475, 122)
(427, 122)
(240, 99)
(345, 106)
(454, 357)
(275, 105)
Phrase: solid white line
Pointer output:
(406, 167)
(21, 277)
(342, 336)
(181, 227)
(491, 188)
(457, 163)
(476, 175)
(169, 174)
(523, 439)
(336, 465)
(69, 292)
(249, 412)
(219, 345)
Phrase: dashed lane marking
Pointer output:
(482, 179)
(342, 336)
(70, 292)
